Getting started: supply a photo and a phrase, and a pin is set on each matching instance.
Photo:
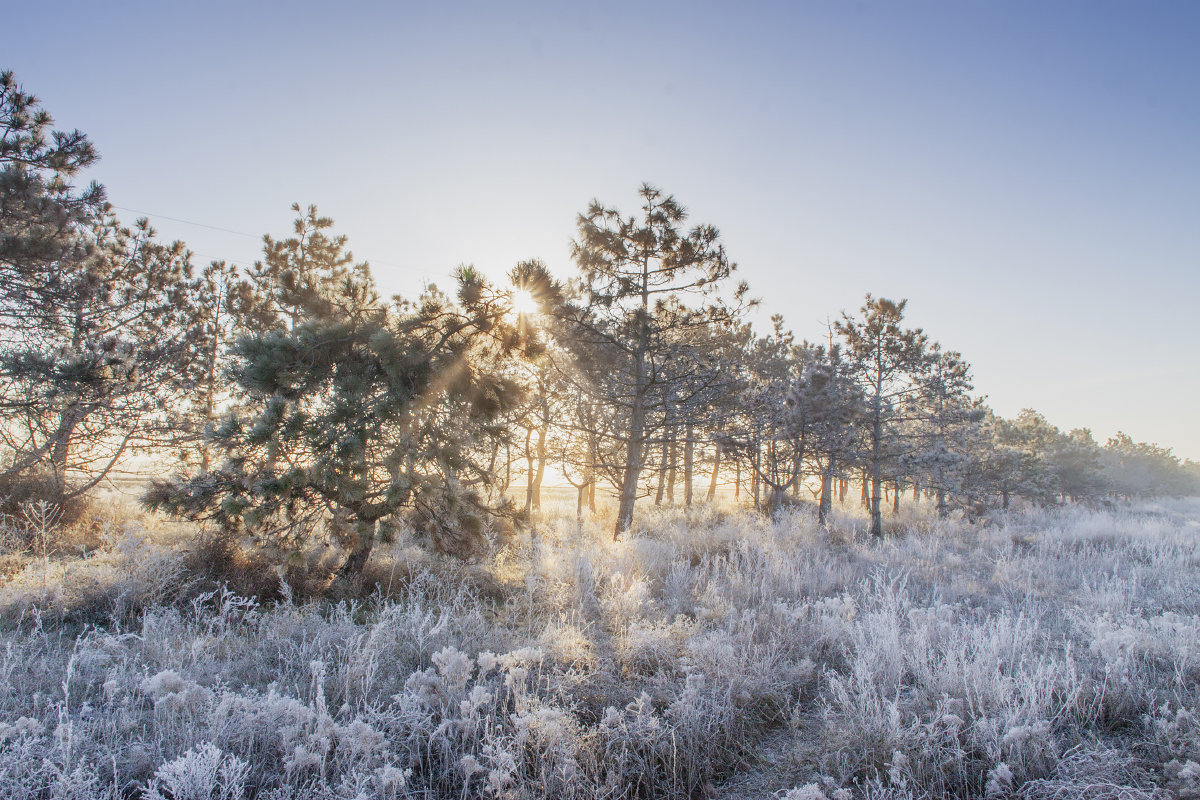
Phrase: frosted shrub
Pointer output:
(1051, 655)
(809, 791)
(170, 692)
(569, 648)
(950, 697)
(22, 754)
(636, 743)
(650, 647)
(267, 727)
(1176, 732)
(392, 782)
(550, 740)
(999, 781)
(1088, 771)
(454, 668)
(623, 596)
(1184, 778)
(1168, 641)
(203, 773)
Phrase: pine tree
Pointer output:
(946, 419)
(577, 447)
(770, 436)
(646, 286)
(1016, 460)
(364, 417)
(89, 378)
(1138, 469)
(885, 357)
(215, 324)
(1076, 462)
(95, 334)
(44, 219)
(826, 404)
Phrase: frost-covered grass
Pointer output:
(1048, 654)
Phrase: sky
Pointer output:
(1026, 174)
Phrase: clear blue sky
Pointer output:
(1026, 173)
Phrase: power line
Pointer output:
(259, 238)
(189, 222)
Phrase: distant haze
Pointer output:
(1027, 174)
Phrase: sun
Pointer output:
(523, 302)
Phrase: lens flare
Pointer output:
(523, 302)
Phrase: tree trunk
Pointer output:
(593, 455)
(507, 466)
(71, 415)
(528, 471)
(826, 502)
(876, 477)
(688, 463)
(360, 544)
(941, 502)
(491, 468)
(896, 498)
(797, 469)
(60, 453)
(637, 418)
(210, 390)
(355, 562)
(541, 466)
(716, 470)
(633, 459)
(775, 497)
(671, 471)
(755, 481)
(662, 475)
(876, 505)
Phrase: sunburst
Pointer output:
(523, 303)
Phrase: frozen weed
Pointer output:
(1051, 654)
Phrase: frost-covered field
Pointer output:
(1046, 655)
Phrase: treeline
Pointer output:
(294, 401)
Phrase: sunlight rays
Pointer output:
(523, 303)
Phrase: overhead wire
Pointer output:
(188, 222)
(259, 238)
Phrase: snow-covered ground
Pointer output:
(1047, 654)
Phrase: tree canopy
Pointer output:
(293, 401)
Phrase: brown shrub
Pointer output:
(385, 576)
(17, 491)
(219, 559)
